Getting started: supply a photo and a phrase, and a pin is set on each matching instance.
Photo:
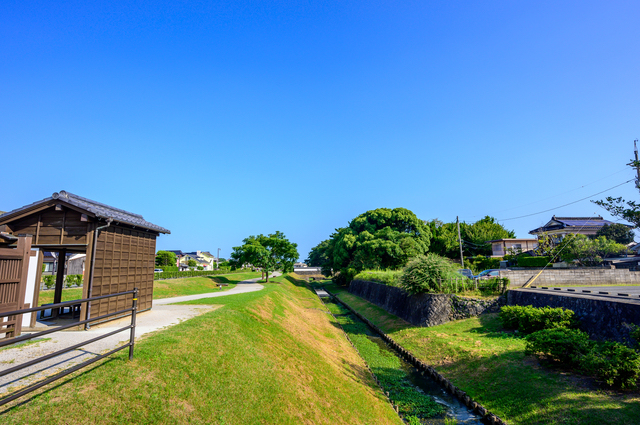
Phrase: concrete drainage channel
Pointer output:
(458, 404)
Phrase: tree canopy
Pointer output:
(587, 251)
(378, 239)
(474, 237)
(617, 232)
(272, 252)
(166, 258)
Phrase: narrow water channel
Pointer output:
(454, 411)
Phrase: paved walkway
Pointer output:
(161, 316)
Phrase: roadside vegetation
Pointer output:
(491, 365)
(270, 356)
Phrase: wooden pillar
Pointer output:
(86, 280)
(36, 292)
(24, 246)
(57, 296)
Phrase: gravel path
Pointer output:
(161, 316)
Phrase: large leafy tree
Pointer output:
(475, 236)
(617, 232)
(166, 258)
(382, 238)
(271, 252)
(318, 255)
(587, 251)
(618, 207)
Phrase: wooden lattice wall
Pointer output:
(14, 264)
(125, 259)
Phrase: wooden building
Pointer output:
(120, 247)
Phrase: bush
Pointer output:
(386, 277)
(562, 344)
(169, 268)
(344, 276)
(480, 263)
(528, 261)
(528, 319)
(191, 273)
(426, 273)
(614, 363)
(494, 285)
(200, 268)
(73, 279)
(49, 281)
(635, 334)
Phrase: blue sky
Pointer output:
(222, 120)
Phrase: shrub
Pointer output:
(49, 281)
(426, 273)
(635, 334)
(528, 261)
(528, 319)
(480, 262)
(494, 285)
(386, 277)
(73, 279)
(614, 363)
(562, 344)
(200, 268)
(344, 276)
(169, 268)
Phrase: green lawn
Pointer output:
(168, 288)
(490, 365)
(266, 357)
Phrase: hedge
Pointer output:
(192, 273)
(527, 261)
(528, 319)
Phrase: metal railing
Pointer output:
(7, 342)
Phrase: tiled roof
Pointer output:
(97, 209)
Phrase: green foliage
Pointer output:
(169, 268)
(200, 268)
(475, 236)
(49, 281)
(528, 319)
(386, 277)
(378, 239)
(192, 263)
(190, 273)
(587, 251)
(616, 364)
(344, 276)
(635, 334)
(562, 344)
(166, 258)
(73, 279)
(616, 232)
(528, 261)
(626, 210)
(493, 286)
(318, 255)
(480, 263)
(427, 272)
(272, 252)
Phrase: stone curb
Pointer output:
(426, 369)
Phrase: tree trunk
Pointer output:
(267, 276)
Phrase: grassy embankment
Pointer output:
(168, 288)
(490, 365)
(271, 356)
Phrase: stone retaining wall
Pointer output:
(422, 309)
(596, 276)
(601, 318)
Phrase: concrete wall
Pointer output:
(600, 317)
(422, 309)
(599, 276)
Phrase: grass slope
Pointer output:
(266, 357)
(491, 367)
(167, 288)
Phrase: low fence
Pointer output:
(6, 342)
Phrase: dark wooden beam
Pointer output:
(57, 296)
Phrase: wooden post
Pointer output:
(57, 296)
(24, 246)
(36, 292)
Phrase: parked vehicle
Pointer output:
(466, 273)
(488, 274)
(158, 271)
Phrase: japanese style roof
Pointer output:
(93, 208)
(573, 224)
(178, 253)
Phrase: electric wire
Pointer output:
(570, 203)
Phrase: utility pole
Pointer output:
(635, 150)
(218, 260)
(460, 242)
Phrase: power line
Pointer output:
(570, 203)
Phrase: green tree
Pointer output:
(318, 255)
(192, 263)
(166, 258)
(618, 207)
(444, 239)
(378, 239)
(617, 232)
(272, 252)
(477, 235)
(586, 251)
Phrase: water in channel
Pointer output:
(423, 384)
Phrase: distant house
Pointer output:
(502, 247)
(200, 260)
(559, 227)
